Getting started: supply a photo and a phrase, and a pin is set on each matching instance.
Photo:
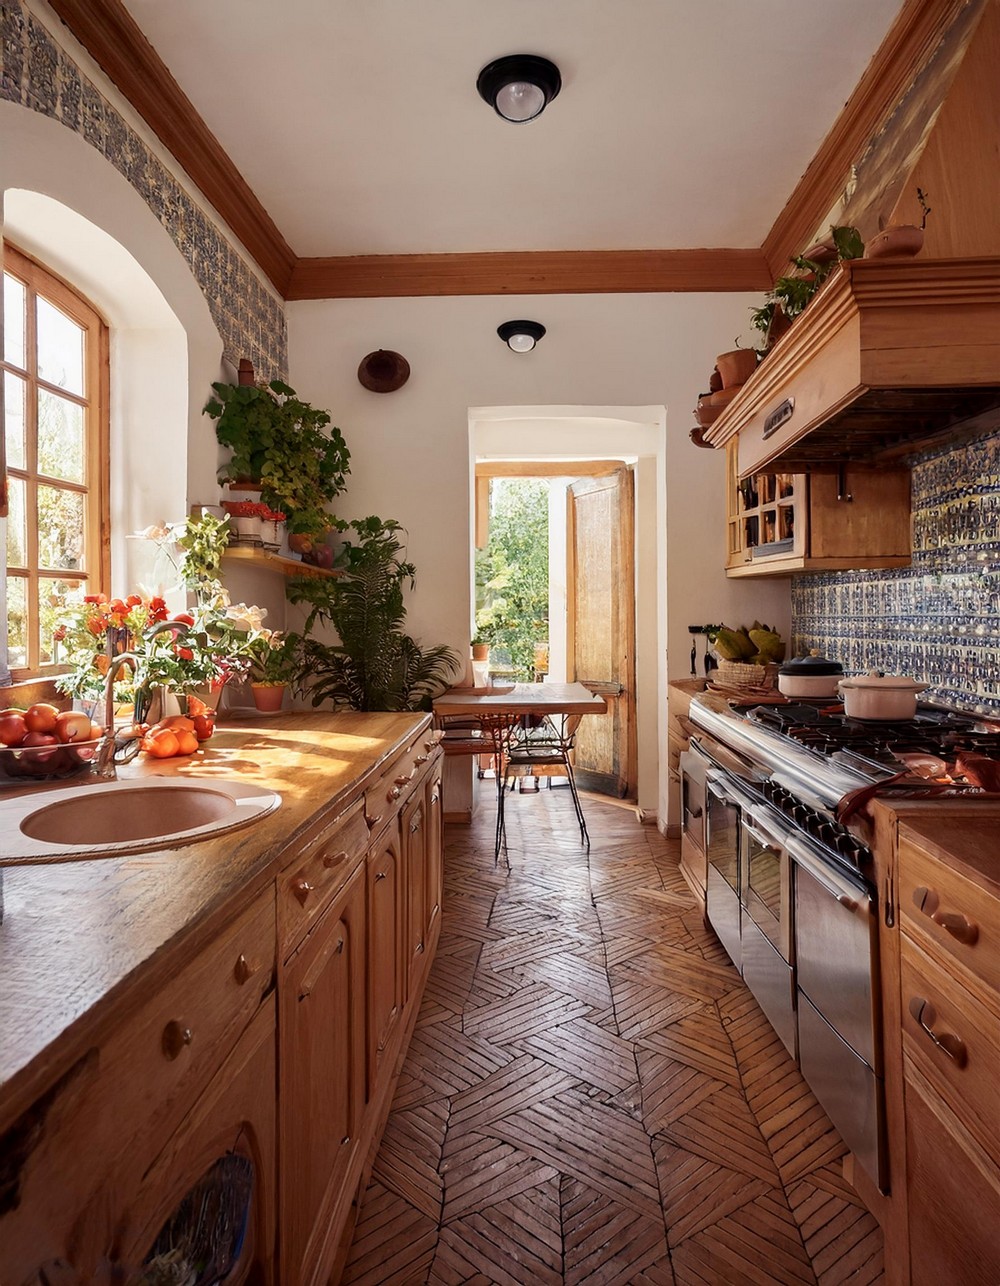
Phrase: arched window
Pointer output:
(55, 370)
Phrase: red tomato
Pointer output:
(204, 726)
(41, 717)
(72, 725)
(13, 729)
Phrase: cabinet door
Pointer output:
(322, 1032)
(953, 1195)
(414, 834)
(386, 973)
(435, 854)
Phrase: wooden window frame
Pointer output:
(96, 487)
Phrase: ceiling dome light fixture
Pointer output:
(521, 336)
(520, 86)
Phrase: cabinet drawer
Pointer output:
(164, 1056)
(305, 888)
(954, 1040)
(940, 905)
(396, 782)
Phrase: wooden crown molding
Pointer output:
(111, 36)
(536, 272)
(916, 33)
(107, 30)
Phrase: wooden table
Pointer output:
(499, 715)
(524, 698)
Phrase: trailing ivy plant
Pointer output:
(791, 293)
(283, 445)
(376, 665)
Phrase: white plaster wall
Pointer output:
(411, 451)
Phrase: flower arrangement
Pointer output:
(246, 509)
(209, 644)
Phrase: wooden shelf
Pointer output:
(269, 562)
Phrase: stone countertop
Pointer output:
(79, 936)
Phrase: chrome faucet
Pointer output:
(104, 766)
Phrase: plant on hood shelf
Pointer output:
(283, 445)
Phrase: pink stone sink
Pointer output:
(120, 817)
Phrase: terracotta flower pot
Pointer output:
(480, 651)
(268, 697)
(737, 366)
(903, 239)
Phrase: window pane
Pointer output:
(60, 348)
(17, 536)
(51, 599)
(15, 392)
(60, 529)
(13, 320)
(60, 437)
(17, 622)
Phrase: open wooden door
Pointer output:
(601, 627)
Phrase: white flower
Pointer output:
(248, 618)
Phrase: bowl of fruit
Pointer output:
(44, 743)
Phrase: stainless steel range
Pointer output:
(789, 885)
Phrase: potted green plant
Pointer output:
(791, 293)
(273, 659)
(284, 445)
(480, 648)
(375, 665)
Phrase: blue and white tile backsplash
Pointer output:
(938, 620)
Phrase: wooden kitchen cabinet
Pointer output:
(940, 971)
(245, 1066)
(779, 523)
(141, 1103)
(386, 968)
(322, 1042)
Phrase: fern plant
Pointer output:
(376, 665)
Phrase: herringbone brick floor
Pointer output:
(591, 1094)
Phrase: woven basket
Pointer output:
(738, 674)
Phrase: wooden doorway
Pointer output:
(601, 626)
(599, 608)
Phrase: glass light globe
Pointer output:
(520, 100)
(521, 343)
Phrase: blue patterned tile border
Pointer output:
(39, 75)
(938, 620)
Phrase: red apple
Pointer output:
(72, 725)
(13, 729)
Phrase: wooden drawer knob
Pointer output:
(371, 821)
(302, 888)
(392, 794)
(420, 759)
(404, 780)
(435, 797)
(334, 859)
(243, 970)
(176, 1037)
(380, 875)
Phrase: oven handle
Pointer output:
(721, 785)
(846, 893)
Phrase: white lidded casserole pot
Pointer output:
(810, 676)
(880, 696)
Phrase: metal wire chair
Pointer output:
(534, 745)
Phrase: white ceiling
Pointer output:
(681, 123)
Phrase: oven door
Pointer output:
(840, 1050)
(766, 898)
(722, 895)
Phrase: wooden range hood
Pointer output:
(890, 356)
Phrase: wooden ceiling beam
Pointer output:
(535, 272)
(111, 36)
(917, 31)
